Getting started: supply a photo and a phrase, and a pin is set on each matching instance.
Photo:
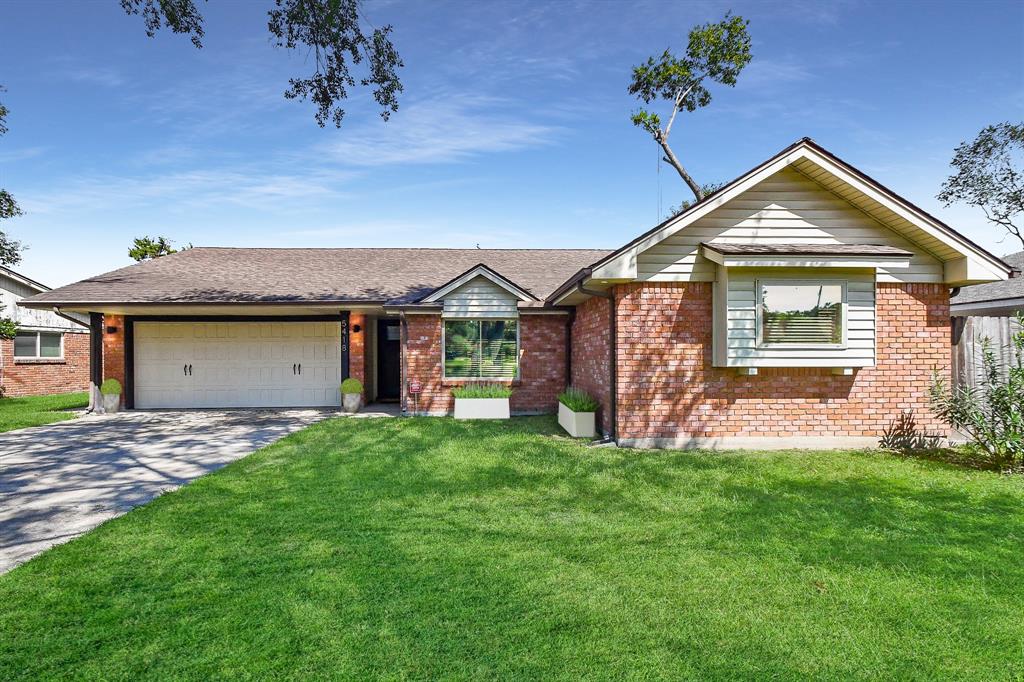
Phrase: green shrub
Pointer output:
(111, 387)
(578, 400)
(482, 391)
(992, 413)
(351, 385)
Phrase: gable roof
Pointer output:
(965, 259)
(978, 298)
(22, 279)
(318, 276)
(479, 270)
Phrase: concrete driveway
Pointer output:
(58, 481)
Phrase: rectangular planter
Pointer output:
(481, 408)
(577, 424)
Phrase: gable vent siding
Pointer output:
(787, 208)
(480, 298)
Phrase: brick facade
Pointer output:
(45, 377)
(113, 349)
(358, 358)
(590, 366)
(541, 365)
(667, 387)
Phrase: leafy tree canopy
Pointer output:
(147, 248)
(334, 32)
(990, 175)
(715, 52)
(10, 249)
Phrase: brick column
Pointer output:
(113, 349)
(357, 348)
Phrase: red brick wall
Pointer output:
(45, 377)
(667, 387)
(113, 349)
(590, 367)
(541, 364)
(357, 355)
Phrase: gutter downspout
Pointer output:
(403, 339)
(612, 353)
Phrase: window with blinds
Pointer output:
(801, 314)
(481, 349)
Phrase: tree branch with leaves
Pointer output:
(990, 175)
(715, 53)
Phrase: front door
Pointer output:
(389, 343)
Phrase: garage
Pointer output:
(236, 364)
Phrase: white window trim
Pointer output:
(37, 356)
(489, 380)
(758, 317)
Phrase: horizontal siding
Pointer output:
(480, 297)
(787, 208)
(741, 325)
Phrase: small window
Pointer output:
(481, 349)
(38, 345)
(801, 313)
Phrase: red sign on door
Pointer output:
(415, 387)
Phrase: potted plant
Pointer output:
(576, 410)
(110, 389)
(482, 401)
(351, 395)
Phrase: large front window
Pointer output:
(37, 345)
(801, 313)
(481, 349)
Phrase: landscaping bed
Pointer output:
(428, 548)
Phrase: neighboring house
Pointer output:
(803, 304)
(994, 299)
(50, 353)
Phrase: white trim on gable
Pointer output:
(479, 271)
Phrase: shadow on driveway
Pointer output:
(60, 480)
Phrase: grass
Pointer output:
(17, 413)
(429, 548)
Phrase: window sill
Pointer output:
(464, 382)
(40, 361)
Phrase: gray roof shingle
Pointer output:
(273, 275)
(995, 291)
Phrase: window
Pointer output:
(38, 345)
(481, 349)
(801, 313)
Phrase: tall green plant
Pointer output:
(992, 413)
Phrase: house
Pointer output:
(1004, 298)
(803, 304)
(50, 353)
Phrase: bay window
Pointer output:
(801, 313)
(481, 349)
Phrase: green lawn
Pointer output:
(427, 548)
(17, 413)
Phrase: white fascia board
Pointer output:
(981, 307)
(768, 261)
(480, 271)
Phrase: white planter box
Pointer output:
(111, 403)
(351, 402)
(578, 424)
(481, 408)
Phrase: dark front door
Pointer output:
(388, 359)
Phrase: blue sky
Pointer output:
(513, 129)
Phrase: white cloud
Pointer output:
(442, 130)
(96, 75)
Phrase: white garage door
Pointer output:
(237, 364)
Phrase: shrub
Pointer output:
(578, 400)
(110, 387)
(351, 385)
(992, 413)
(482, 391)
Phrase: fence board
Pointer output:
(967, 335)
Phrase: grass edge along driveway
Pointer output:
(427, 548)
(19, 413)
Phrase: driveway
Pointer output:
(58, 481)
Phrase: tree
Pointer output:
(331, 30)
(716, 52)
(10, 249)
(707, 189)
(147, 248)
(990, 175)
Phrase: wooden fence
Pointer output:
(967, 335)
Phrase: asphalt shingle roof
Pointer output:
(995, 291)
(247, 275)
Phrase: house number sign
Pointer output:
(415, 387)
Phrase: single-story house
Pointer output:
(50, 353)
(1004, 298)
(803, 304)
